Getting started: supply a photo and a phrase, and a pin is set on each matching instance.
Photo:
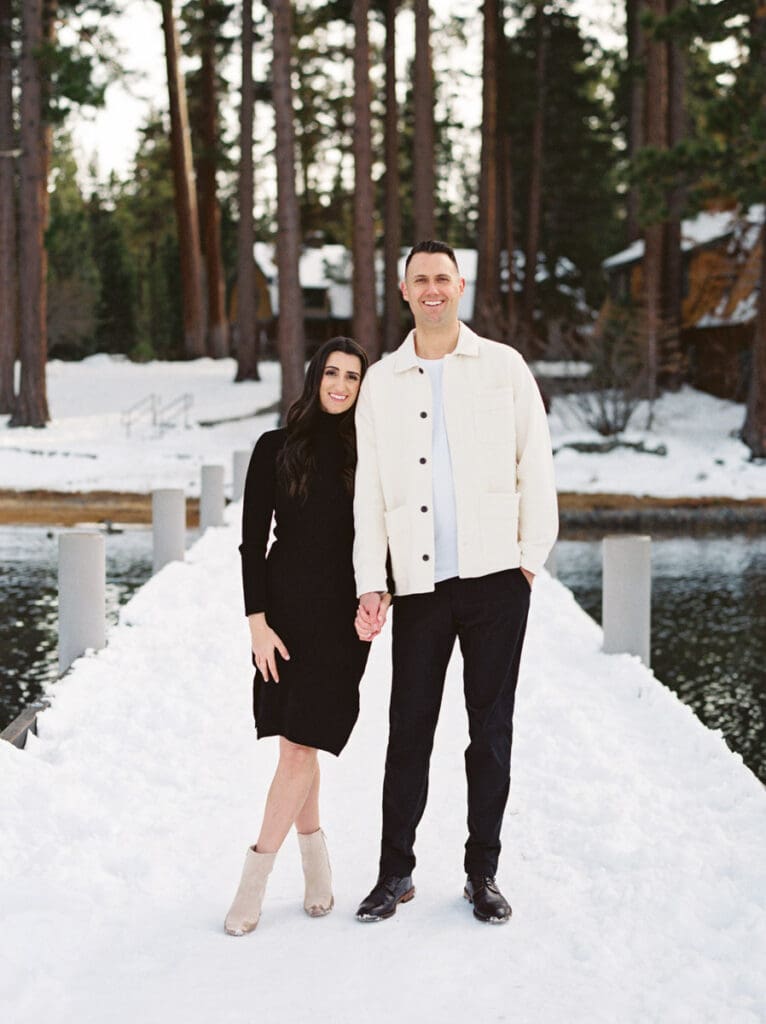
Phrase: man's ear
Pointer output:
(403, 289)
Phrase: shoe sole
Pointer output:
(372, 918)
(482, 917)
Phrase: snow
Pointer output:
(632, 844)
(86, 446)
(706, 227)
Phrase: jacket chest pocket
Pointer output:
(493, 416)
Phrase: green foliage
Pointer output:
(580, 224)
(73, 275)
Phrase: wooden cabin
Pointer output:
(721, 266)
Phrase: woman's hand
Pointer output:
(371, 615)
(265, 644)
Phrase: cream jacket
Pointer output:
(501, 461)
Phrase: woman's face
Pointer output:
(340, 382)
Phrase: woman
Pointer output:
(300, 603)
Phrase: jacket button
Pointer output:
(424, 508)
(426, 558)
(421, 370)
(423, 415)
(423, 462)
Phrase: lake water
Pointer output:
(708, 619)
(29, 604)
(708, 627)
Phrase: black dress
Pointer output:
(306, 588)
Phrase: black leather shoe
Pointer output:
(389, 892)
(489, 904)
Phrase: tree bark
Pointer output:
(488, 307)
(365, 314)
(8, 253)
(672, 358)
(290, 335)
(31, 407)
(511, 306)
(656, 128)
(184, 193)
(534, 199)
(754, 427)
(247, 323)
(636, 71)
(210, 211)
(392, 237)
(423, 157)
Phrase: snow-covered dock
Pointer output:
(633, 844)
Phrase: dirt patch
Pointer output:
(64, 508)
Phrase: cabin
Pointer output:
(325, 273)
(722, 253)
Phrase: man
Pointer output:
(455, 481)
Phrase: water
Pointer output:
(708, 627)
(28, 604)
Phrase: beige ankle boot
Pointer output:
(318, 899)
(246, 909)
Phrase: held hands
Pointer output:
(265, 644)
(371, 614)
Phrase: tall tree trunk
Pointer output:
(754, 427)
(210, 210)
(365, 315)
(656, 126)
(423, 156)
(511, 306)
(672, 357)
(636, 72)
(290, 337)
(247, 324)
(534, 199)
(8, 269)
(487, 306)
(184, 193)
(392, 238)
(31, 408)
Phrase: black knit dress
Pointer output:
(306, 588)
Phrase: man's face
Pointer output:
(432, 287)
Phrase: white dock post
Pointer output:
(82, 595)
(211, 502)
(168, 526)
(550, 563)
(627, 595)
(241, 462)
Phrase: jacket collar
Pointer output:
(405, 357)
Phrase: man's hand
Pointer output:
(265, 644)
(371, 614)
(528, 576)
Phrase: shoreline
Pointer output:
(579, 511)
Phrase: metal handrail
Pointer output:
(178, 406)
(146, 405)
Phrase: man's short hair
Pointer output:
(431, 246)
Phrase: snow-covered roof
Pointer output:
(703, 229)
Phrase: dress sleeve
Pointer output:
(257, 513)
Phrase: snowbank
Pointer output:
(86, 447)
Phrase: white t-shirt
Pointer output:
(444, 514)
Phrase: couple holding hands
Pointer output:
(429, 476)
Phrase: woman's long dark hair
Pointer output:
(297, 458)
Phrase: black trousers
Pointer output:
(488, 616)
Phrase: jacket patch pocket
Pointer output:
(500, 525)
(494, 417)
